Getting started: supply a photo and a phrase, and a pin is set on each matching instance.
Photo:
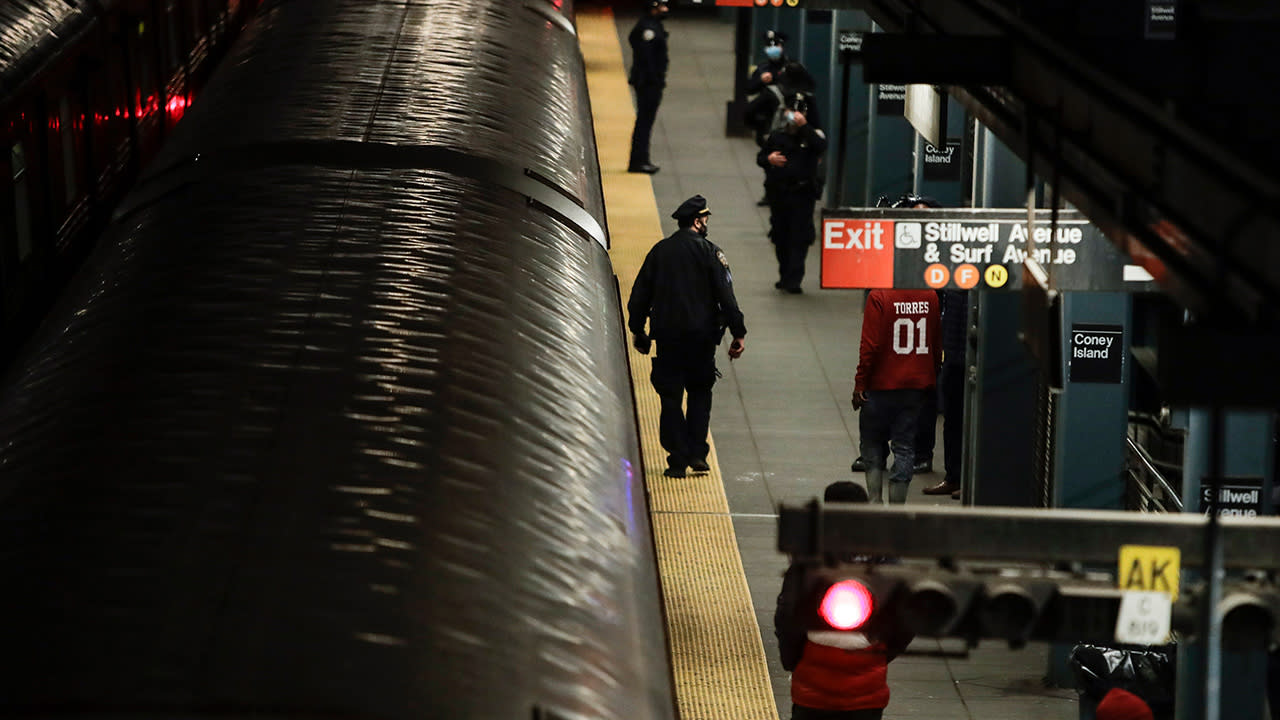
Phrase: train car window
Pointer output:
(197, 15)
(21, 200)
(107, 108)
(172, 56)
(143, 71)
(67, 131)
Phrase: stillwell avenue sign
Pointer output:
(968, 248)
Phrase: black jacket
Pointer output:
(803, 149)
(685, 290)
(648, 52)
(773, 67)
(954, 305)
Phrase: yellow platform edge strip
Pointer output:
(717, 655)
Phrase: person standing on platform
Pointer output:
(955, 330)
(926, 429)
(765, 85)
(766, 112)
(685, 291)
(775, 54)
(835, 675)
(897, 367)
(649, 61)
(793, 184)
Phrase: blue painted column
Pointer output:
(816, 52)
(1247, 450)
(1092, 415)
(847, 182)
(1001, 395)
(890, 143)
(791, 22)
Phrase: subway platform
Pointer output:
(782, 424)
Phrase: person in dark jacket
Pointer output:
(790, 158)
(954, 306)
(648, 40)
(684, 290)
(792, 78)
(835, 675)
(770, 85)
(765, 86)
(775, 58)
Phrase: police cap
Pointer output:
(773, 37)
(694, 207)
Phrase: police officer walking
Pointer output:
(648, 41)
(775, 57)
(792, 184)
(685, 291)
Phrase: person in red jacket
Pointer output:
(897, 368)
(835, 675)
(1120, 704)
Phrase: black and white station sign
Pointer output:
(1096, 353)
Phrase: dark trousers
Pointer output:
(927, 429)
(648, 97)
(951, 382)
(791, 230)
(888, 421)
(799, 712)
(1273, 684)
(681, 368)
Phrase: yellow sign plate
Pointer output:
(1150, 567)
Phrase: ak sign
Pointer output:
(966, 249)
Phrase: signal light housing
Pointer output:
(934, 607)
(1011, 610)
(1249, 618)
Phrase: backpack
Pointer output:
(779, 119)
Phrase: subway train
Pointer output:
(336, 419)
(88, 91)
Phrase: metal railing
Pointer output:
(1154, 492)
(1153, 464)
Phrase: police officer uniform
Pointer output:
(685, 291)
(649, 60)
(775, 59)
(792, 190)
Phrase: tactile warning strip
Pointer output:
(717, 655)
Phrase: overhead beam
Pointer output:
(1019, 535)
(1205, 222)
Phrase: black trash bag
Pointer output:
(1147, 672)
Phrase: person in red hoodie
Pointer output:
(1120, 704)
(897, 369)
(835, 675)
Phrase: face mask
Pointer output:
(773, 52)
(791, 117)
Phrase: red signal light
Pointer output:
(846, 605)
